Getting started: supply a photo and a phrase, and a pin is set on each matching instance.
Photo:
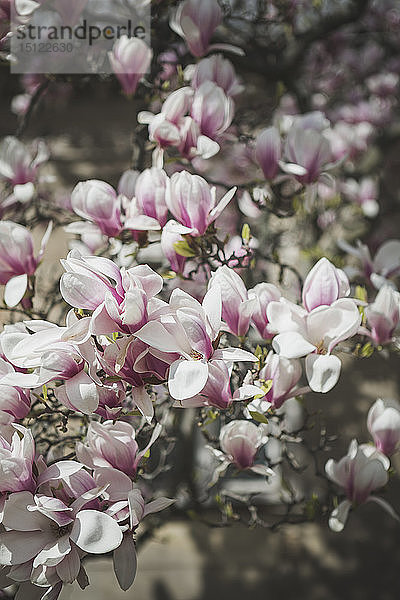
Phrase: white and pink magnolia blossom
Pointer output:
(118, 297)
(324, 284)
(193, 202)
(48, 357)
(364, 193)
(212, 109)
(383, 315)
(169, 237)
(308, 154)
(16, 461)
(15, 402)
(98, 202)
(217, 391)
(17, 259)
(113, 445)
(362, 471)
(218, 69)
(188, 329)
(195, 21)
(130, 60)
(380, 269)
(264, 293)
(240, 440)
(314, 335)
(44, 529)
(19, 166)
(237, 304)
(269, 151)
(150, 193)
(285, 374)
(384, 425)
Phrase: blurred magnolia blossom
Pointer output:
(364, 193)
(383, 315)
(362, 471)
(378, 270)
(130, 59)
(19, 166)
(384, 425)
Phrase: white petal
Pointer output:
(15, 290)
(338, 517)
(95, 532)
(233, 355)
(82, 393)
(291, 344)
(322, 371)
(187, 378)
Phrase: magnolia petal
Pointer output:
(125, 562)
(82, 393)
(322, 371)
(157, 505)
(338, 517)
(291, 344)
(95, 532)
(187, 378)
(15, 290)
(68, 569)
(233, 355)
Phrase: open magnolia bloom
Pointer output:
(188, 328)
(362, 471)
(314, 335)
(17, 259)
(52, 534)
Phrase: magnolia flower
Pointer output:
(239, 442)
(111, 444)
(362, 471)
(150, 193)
(383, 315)
(14, 401)
(195, 21)
(97, 201)
(188, 328)
(217, 391)
(130, 59)
(212, 109)
(16, 461)
(17, 260)
(384, 425)
(193, 203)
(324, 284)
(237, 305)
(314, 335)
(169, 237)
(269, 151)
(380, 269)
(46, 530)
(264, 293)
(19, 166)
(308, 153)
(364, 193)
(218, 69)
(118, 297)
(285, 374)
